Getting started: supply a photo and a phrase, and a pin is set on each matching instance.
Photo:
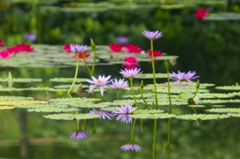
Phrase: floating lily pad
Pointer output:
(152, 116)
(21, 80)
(236, 87)
(202, 116)
(71, 116)
(68, 80)
(54, 109)
(224, 110)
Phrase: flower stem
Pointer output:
(132, 133)
(154, 138)
(134, 97)
(75, 76)
(118, 92)
(85, 63)
(170, 107)
(94, 61)
(154, 74)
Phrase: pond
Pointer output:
(45, 114)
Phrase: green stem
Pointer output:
(134, 97)
(75, 76)
(154, 74)
(85, 63)
(141, 91)
(118, 92)
(94, 61)
(132, 133)
(170, 109)
(154, 138)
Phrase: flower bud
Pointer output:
(92, 44)
(166, 65)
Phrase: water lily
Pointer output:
(79, 135)
(152, 34)
(76, 48)
(131, 146)
(25, 47)
(31, 37)
(123, 112)
(100, 82)
(130, 73)
(82, 55)
(130, 62)
(121, 84)
(103, 113)
(182, 76)
(66, 47)
(156, 53)
(115, 47)
(133, 48)
(5, 54)
(13, 49)
(201, 13)
(2, 43)
(122, 39)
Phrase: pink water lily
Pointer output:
(100, 82)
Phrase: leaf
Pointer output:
(152, 116)
(202, 116)
(19, 102)
(71, 116)
(224, 110)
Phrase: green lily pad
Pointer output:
(71, 116)
(202, 116)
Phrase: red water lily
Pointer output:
(66, 47)
(130, 62)
(156, 53)
(2, 43)
(25, 47)
(13, 49)
(133, 48)
(115, 47)
(85, 54)
(5, 54)
(201, 13)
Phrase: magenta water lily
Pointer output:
(182, 76)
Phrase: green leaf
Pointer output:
(71, 116)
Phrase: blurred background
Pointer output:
(210, 47)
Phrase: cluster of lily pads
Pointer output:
(144, 102)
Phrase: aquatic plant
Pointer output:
(201, 13)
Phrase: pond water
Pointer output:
(211, 48)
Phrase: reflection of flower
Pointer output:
(131, 146)
(122, 39)
(182, 76)
(2, 43)
(79, 135)
(156, 53)
(25, 47)
(123, 112)
(130, 62)
(115, 47)
(5, 54)
(31, 37)
(130, 73)
(102, 113)
(121, 84)
(133, 48)
(201, 13)
(152, 34)
(100, 82)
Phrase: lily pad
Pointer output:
(202, 116)
(71, 116)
